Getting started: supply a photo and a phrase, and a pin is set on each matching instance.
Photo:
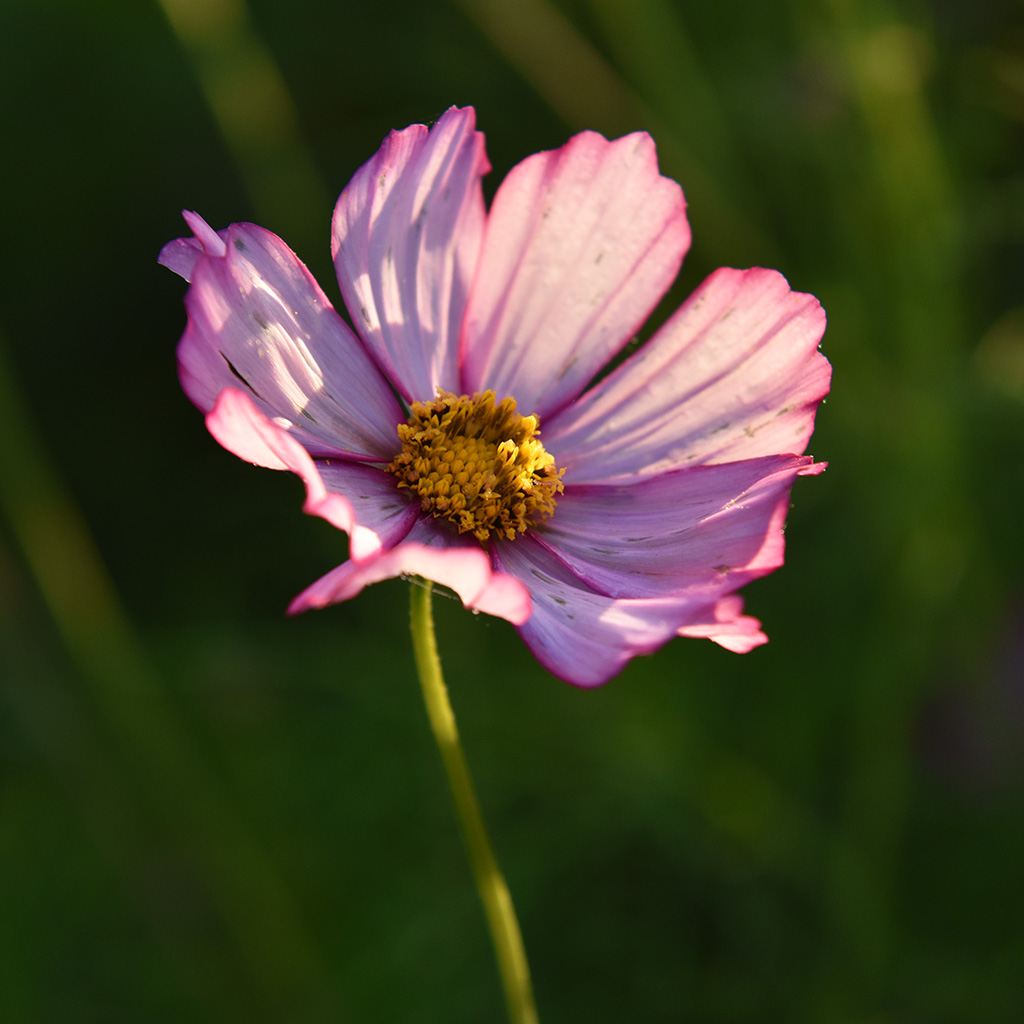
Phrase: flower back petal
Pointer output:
(580, 245)
(258, 321)
(405, 240)
(734, 374)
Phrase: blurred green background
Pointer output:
(209, 812)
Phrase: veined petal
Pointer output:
(259, 321)
(350, 497)
(704, 531)
(580, 245)
(734, 374)
(583, 637)
(446, 558)
(405, 240)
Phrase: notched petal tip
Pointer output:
(214, 243)
(259, 321)
(725, 624)
(182, 254)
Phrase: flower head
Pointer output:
(453, 435)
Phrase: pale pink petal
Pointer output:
(704, 531)
(734, 374)
(239, 426)
(583, 637)
(580, 245)
(405, 239)
(454, 561)
(726, 625)
(182, 254)
(258, 320)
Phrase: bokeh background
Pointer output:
(210, 812)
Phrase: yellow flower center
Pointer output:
(479, 465)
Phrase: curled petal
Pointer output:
(239, 426)
(405, 239)
(258, 321)
(583, 637)
(702, 532)
(580, 245)
(734, 374)
(453, 561)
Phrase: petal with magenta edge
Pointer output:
(387, 513)
(703, 531)
(405, 239)
(258, 320)
(578, 635)
(734, 374)
(238, 425)
(581, 243)
(456, 562)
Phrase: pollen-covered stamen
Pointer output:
(479, 465)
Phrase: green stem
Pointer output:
(501, 916)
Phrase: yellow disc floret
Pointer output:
(479, 465)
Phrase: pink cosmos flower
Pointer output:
(454, 436)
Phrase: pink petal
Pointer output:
(454, 561)
(734, 374)
(700, 532)
(384, 513)
(725, 624)
(258, 320)
(183, 254)
(406, 237)
(583, 637)
(580, 245)
(239, 426)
